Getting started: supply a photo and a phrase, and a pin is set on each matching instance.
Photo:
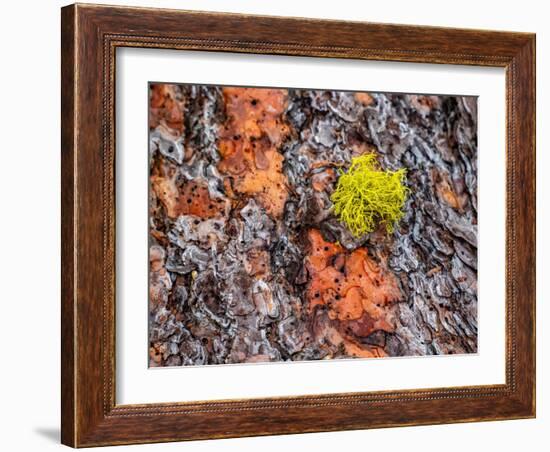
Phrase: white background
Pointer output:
(138, 384)
(30, 269)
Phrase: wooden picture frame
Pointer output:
(90, 36)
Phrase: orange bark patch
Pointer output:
(331, 335)
(167, 192)
(359, 351)
(321, 181)
(192, 198)
(160, 282)
(446, 192)
(166, 109)
(364, 98)
(424, 104)
(249, 142)
(256, 263)
(351, 286)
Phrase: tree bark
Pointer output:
(248, 262)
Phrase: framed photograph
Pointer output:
(280, 225)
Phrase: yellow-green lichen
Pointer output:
(365, 195)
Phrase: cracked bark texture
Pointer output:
(247, 261)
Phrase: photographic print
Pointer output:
(300, 224)
(312, 210)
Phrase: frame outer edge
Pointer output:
(86, 420)
(534, 232)
(526, 104)
(68, 229)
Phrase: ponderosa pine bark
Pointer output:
(248, 262)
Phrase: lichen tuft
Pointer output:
(366, 195)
